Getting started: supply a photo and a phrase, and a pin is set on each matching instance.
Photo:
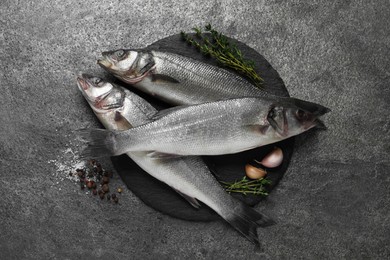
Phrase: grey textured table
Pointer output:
(334, 199)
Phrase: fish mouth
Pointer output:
(321, 111)
(319, 124)
(314, 109)
(82, 83)
(316, 122)
(104, 62)
(84, 80)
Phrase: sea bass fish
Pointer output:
(119, 109)
(176, 79)
(215, 128)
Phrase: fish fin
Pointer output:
(166, 112)
(246, 220)
(161, 78)
(122, 122)
(159, 155)
(100, 143)
(190, 199)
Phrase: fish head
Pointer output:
(102, 96)
(128, 65)
(292, 116)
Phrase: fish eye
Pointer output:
(98, 80)
(119, 53)
(301, 114)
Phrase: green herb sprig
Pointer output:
(218, 46)
(246, 186)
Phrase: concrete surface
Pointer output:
(334, 200)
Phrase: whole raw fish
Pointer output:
(221, 127)
(119, 109)
(176, 79)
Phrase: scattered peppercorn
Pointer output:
(91, 175)
(105, 180)
(105, 188)
(90, 184)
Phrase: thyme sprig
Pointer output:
(217, 45)
(247, 186)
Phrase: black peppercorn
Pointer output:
(105, 188)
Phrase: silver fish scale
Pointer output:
(221, 127)
(200, 82)
(136, 110)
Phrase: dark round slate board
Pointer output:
(228, 168)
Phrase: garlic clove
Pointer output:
(253, 172)
(273, 159)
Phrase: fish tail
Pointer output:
(99, 143)
(246, 220)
